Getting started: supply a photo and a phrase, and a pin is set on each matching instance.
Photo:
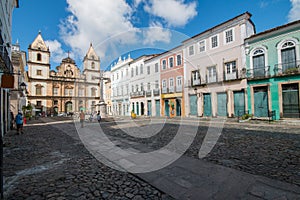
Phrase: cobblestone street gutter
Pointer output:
(46, 163)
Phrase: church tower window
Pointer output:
(39, 57)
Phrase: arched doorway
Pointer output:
(68, 107)
(55, 111)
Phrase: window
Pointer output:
(126, 71)
(39, 72)
(93, 65)
(141, 69)
(127, 89)
(230, 68)
(38, 90)
(191, 50)
(148, 69)
(142, 87)
(39, 57)
(179, 84)
(156, 67)
(214, 41)
(211, 74)
(178, 58)
(156, 84)
(164, 83)
(258, 62)
(179, 81)
(132, 88)
(171, 82)
(55, 102)
(195, 78)
(132, 72)
(55, 91)
(38, 103)
(148, 86)
(229, 36)
(122, 74)
(136, 70)
(202, 46)
(136, 87)
(164, 64)
(117, 76)
(171, 62)
(113, 77)
(288, 55)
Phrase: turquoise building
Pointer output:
(273, 72)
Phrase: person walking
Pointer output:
(19, 122)
(82, 117)
(99, 117)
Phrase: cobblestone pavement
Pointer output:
(46, 163)
(264, 149)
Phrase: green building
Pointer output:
(273, 72)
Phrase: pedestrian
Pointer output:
(82, 117)
(98, 117)
(19, 122)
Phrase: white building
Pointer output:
(152, 86)
(138, 85)
(120, 79)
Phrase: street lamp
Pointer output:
(23, 86)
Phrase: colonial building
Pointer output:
(66, 89)
(138, 85)
(120, 79)
(215, 67)
(273, 72)
(107, 92)
(6, 68)
(171, 76)
(18, 97)
(152, 86)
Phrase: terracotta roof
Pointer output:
(274, 29)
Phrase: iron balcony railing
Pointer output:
(196, 82)
(179, 88)
(259, 72)
(171, 89)
(148, 93)
(156, 92)
(5, 62)
(165, 90)
(287, 68)
(230, 76)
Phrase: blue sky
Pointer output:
(142, 26)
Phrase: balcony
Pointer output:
(230, 76)
(148, 93)
(287, 68)
(196, 82)
(137, 94)
(165, 90)
(211, 79)
(179, 88)
(171, 89)
(156, 92)
(258, 73)
(5, 62)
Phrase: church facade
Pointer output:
(66, 89)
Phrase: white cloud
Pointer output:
(57, 53)
(294, 13)
(174, 12)
(156, 33)
(96, 21)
